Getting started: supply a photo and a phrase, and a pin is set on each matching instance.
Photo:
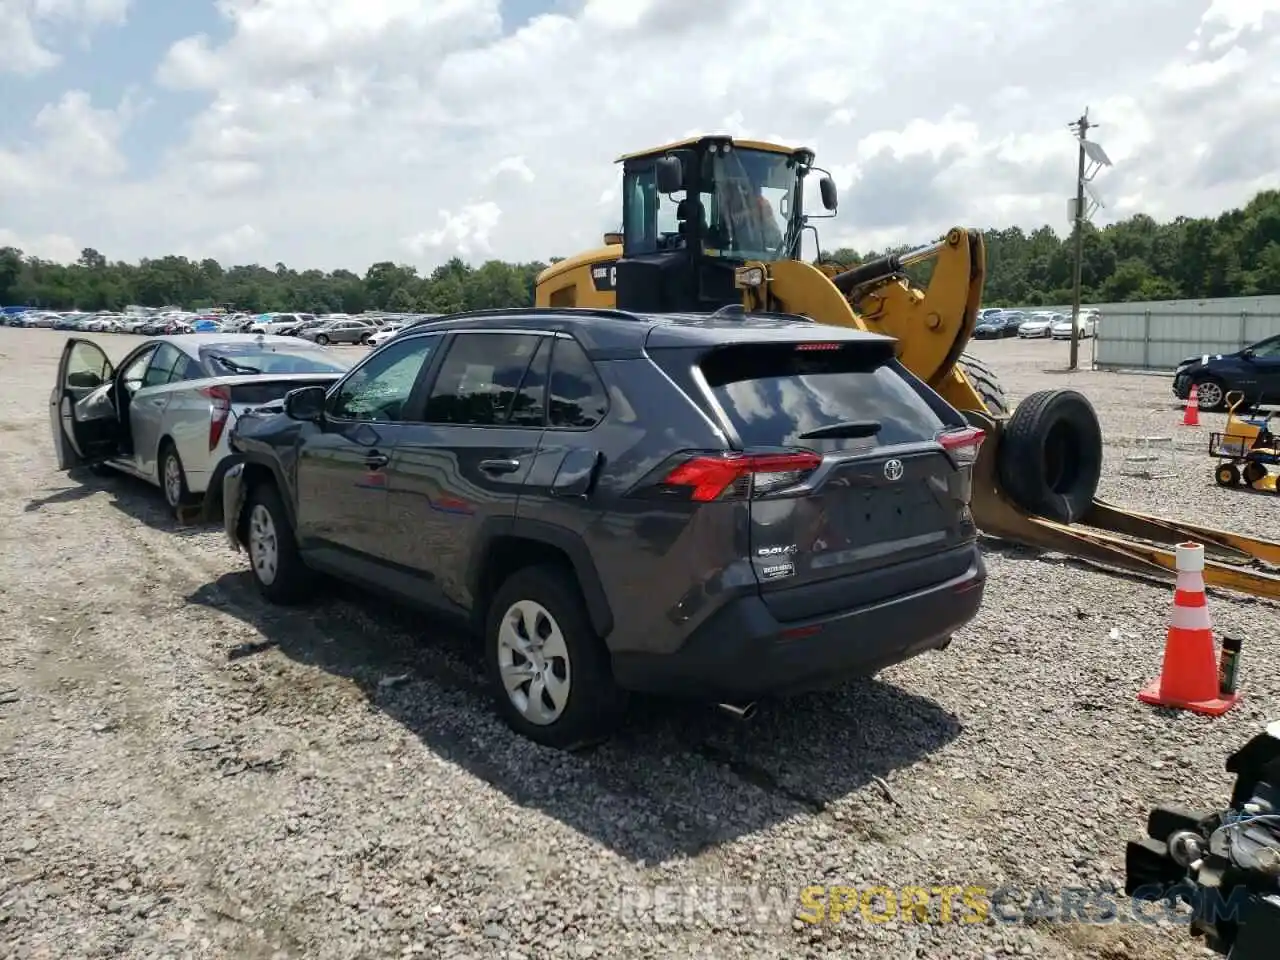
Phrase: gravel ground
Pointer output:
(186, 772)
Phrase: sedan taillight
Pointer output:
(219, 412)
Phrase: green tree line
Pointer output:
(1234, 254)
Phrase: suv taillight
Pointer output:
(219, 412)
(717, 476)
(962, 443)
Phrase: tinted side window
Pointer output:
(578, 398)
(162, 363)
(529, 409)
(480, 377)
(380, 389)
(132, 374)
(188, 368)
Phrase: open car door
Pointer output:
(93, 435)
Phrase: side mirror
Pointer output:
(305, 403)
(1248, 353)
(670, 175)
(613, 239)
(827, 187)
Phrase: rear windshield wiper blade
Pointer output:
(235, 367)
(846, 430)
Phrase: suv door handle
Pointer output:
(499, 466)
(376, 461)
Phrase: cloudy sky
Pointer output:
(334, 133)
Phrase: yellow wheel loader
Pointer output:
(714, 224)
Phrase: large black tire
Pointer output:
(985, 382)
(1050, 456)
(594, 704)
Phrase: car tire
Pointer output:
(322, 340)
(274, 559)
(1217, 394)
(173, 479)
(364, 340)
(1050, 455)
(544, 603)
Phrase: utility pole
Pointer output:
(1081, 127)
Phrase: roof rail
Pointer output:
(600, 312)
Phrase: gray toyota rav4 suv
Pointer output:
(723, 508)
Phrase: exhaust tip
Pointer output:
(739, 711)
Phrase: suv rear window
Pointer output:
(774, 394)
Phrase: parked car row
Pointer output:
(331, 328)
(998, 322)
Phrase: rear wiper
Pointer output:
(235, 367)
(846, 430)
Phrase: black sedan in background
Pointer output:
(1253, 371)
(996, 324)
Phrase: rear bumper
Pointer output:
(744, 652)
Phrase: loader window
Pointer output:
(650, 221)
(752, 201)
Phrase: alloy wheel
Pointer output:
(172, 479)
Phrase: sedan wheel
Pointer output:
(1208, 395)
(322, 340)
(172, 479)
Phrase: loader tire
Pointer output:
(1050, 455)
(985, 383)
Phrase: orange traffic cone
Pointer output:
(1191, 414)
(1189, 678)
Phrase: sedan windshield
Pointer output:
(234, 359)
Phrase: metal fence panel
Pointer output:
(1157, 339)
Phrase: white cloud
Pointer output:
(351, 131)
(47, 246)
(74, 145)
(469, 231)
(25, 24)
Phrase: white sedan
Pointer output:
(1061, 330)
(385, 333)
(164, 414)
(1038, 325)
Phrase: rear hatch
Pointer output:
(874, 504)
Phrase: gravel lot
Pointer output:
(187, 772)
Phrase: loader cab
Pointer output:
(695, 211)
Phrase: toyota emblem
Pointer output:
(893, 469)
